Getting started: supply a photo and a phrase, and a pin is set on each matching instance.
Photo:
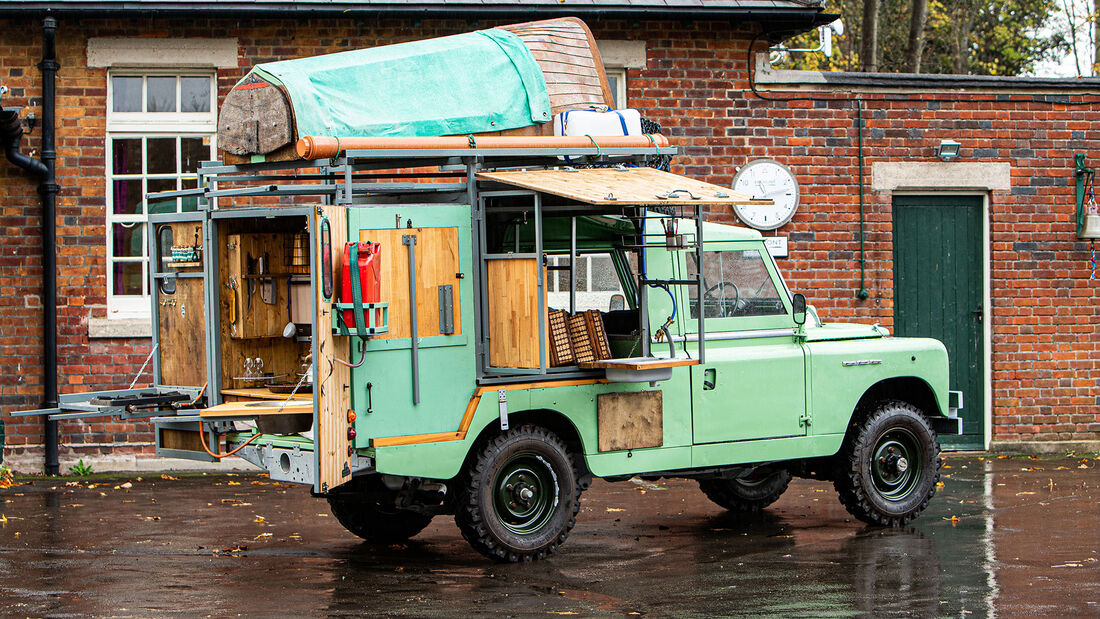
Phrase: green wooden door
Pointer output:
(938, 292)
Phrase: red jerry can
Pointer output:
(369, 259)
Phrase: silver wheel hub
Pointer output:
(902, 465)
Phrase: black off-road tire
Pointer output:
(367, 509)
(519, 495)
(889, 465)
(748, 495)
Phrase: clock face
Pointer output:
(770, 180)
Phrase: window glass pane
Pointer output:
(126, 155)
(128, 240)
(582, 273)
(191, 203)
(127, 197)
(161, 155)
(126, 94)
(127, 278)
(192, 151)
(613, 83)
(194, 94)
(604, 277)
(736, 283)
(161, 95)
(162, 206)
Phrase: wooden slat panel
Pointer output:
(630, 187)
(513, 313)
(564, 35)
(333, 379)
(640, 363)
(630, 420)
(182, 325)
(436, 265)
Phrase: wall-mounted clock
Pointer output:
(768, 179)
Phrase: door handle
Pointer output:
(710, 379)
(979, 312)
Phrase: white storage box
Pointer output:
(591, 122)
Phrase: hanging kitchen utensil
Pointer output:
(267, 284)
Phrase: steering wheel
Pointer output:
(727, 304)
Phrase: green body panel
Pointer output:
(778, 395)
(938, 290)
(835, 389)
(446, 361)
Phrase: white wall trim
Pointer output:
(160, 52)
(622, 54)
(107, 328)
(987, 305)
(940, 176)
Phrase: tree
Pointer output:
(917, 20)
(868, 48)
(1002, 37)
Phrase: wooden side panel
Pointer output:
(513, 313)
(333, 379)
(182, 328)
(630, 420)
(183, 440)
(254, 317)
(436, 265)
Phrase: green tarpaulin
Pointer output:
(467, 83)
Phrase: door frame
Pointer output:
(987, 306)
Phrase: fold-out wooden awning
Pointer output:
(622, 186)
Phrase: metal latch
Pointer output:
(805, 419)
(502, 398)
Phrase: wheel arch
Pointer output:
(911, 389)
(553, 420)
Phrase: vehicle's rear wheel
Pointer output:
(519, 497)
(750, 493)
(367, 508)
(890, 464)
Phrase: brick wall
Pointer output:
(1045, 338)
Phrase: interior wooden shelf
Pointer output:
(256, 408)
(638, 363)
(263, 393)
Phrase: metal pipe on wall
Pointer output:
(11, 132)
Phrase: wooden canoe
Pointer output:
(257, 118)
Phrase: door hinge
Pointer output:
(502, 398)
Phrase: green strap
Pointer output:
(356, 290)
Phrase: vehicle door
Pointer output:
(752, 384)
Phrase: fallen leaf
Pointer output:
(126, 486)
(262, 536)
(259, 520)
(168, 477)
(615, 509)
(1023, 493)
(234, 483)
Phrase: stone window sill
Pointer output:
(117, 328)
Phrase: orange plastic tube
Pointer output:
(324, 147)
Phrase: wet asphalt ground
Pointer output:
(1004, 536)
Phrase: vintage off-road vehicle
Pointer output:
(480, 325)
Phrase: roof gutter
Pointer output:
(800, 18)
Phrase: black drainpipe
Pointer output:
(11, 132)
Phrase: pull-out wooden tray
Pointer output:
(638, 369)
(257, 408)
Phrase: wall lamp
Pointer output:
(948, 150)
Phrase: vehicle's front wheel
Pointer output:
(749, 493)
(890, 465)
(519, 497)
(367, 508)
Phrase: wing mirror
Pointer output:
(798, 303)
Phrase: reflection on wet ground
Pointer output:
(1009, 536)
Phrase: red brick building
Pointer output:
(1021, 307)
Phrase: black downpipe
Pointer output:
(11, 132)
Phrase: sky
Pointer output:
(1066, 65)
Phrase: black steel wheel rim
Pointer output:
(896, 464)
(525, 494)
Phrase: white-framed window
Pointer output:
(160, 125)
(616, 79)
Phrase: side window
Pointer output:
(598, 285)
(736, 283)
